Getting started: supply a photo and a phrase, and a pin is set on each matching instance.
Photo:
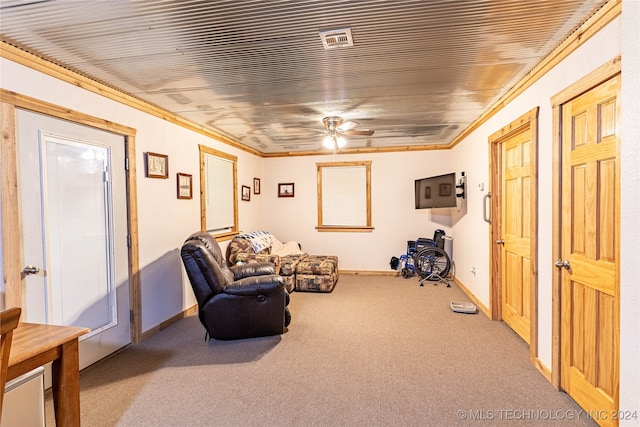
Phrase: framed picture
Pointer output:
(157, 165)
(445, 190)
(246, 193)
(256, 185)
(286, 190)
(185, 189)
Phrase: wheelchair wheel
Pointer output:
(432, 263)
(407, 272)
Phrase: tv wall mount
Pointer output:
(460, 186)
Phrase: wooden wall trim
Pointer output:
(483, 308)
(392, 273)
(32, 104)
(556, 188)
(542, 368)
(11, 254)
(515, 126)
(593, 79)
(533, 244)
(135, 285)
(379, 150)
(191, 311)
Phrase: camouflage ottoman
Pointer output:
(288, 266)
(317, 273)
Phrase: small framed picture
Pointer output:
(256, 185)
(157, 165)
(286, 190)
(246, 193)
(445, 190)
(185, 189)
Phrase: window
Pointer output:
(218, 198)
(344, 196)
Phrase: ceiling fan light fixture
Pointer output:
(336, 127)
(328, 142)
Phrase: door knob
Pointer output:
(500, 241)
(563, 264)
(30, 269)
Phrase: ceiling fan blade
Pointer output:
(347, 126)
(359, 132)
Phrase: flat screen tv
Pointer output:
(436, 192)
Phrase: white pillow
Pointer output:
(284, 249)
(276, 245)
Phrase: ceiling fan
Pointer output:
(336, 128)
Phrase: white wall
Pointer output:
(393, 214)
(630, 208)
(164, 220)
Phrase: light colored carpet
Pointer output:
(377, 351)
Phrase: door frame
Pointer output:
(11, 235)
(599, 75)
(528, 120)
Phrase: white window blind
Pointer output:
(344, 196)
(219, 191)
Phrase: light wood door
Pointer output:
(589, 248)
(515, 239)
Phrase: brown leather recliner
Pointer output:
(243, 301)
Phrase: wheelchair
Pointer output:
(430, 261)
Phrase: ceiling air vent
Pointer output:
(336, 38)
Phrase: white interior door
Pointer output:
(73, 211)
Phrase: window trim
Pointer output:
(233, 231)
(346, 228)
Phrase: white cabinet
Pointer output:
(24, 401)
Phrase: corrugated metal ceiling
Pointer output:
(256, 71)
